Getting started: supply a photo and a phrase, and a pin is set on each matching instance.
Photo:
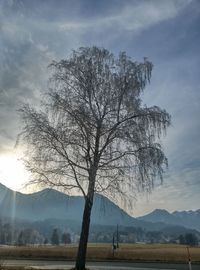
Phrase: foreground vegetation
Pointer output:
(130, 252)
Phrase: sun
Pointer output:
(12, 171)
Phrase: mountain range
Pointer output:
(50, 204)
(189, 219)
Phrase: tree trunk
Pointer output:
(81, 256)
(82, 249)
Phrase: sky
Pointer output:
(34, 33)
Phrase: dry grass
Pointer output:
(156, 252)
(131, 252)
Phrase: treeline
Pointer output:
(138, 234)
(65, 238)
(189, 239)
(12, 235)
(53, 233)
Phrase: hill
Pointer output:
(189, 219)
(52, 204)
(49, 208)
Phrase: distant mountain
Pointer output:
(52, 204)
(159, 215)
(189, 219)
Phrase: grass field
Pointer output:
(131, 252)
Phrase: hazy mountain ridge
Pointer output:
(50, 204)
(189, 219)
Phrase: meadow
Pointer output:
(128, 252)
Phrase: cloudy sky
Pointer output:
(33, 33)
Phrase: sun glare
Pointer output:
(12, 171)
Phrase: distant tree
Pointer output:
(94, 134)
(20, 239)
(191, 239)
(55, 237)
(7, 230)
(66, 238)
(9, 237)
(182, 239)
(46, 241)
(2, 238)
(154, 236)
(5, 233)
(32, 236)
(140, 234)
(188, 239)
(1, 225)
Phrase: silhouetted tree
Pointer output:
(66, 239)
(182, 239)
(94, 134)
(55, 237)
(20, 240)
(46, 241)
(188, 239)
(7, 231)
(2, 237)
(154, 236)
(191, 239)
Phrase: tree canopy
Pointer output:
(94, 116)
(93, 133)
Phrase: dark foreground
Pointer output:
(48, 264)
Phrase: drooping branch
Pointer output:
(93, 134)
(94, 121)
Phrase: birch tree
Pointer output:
(93, 134)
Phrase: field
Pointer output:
(130, 252)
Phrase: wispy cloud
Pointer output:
(33, 33)
(131, 17)
(180, 191)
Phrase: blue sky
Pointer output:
(33, 33)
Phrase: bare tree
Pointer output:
(94, 134)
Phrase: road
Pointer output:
(47, 264)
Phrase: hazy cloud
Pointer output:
(33, 33)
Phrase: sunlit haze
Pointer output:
(12, 171)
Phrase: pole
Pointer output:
(117, 237)
(113, 244)
(189, 259)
